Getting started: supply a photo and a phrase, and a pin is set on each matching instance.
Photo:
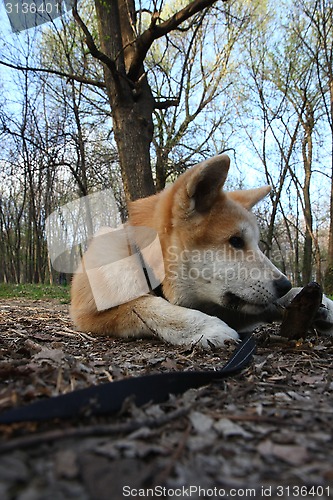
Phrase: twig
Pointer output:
(91, 430)
(251, 418)
(86, 336)
(315, 409)
(74, 333)
(62, 74)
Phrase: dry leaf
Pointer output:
(228, 428)
(55, 355)
(308, 379)
(292, 454)
(201, 422)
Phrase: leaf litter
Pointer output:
(271, 425)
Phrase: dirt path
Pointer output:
(265, 433)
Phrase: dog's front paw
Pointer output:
(188, 327)
(214, 333)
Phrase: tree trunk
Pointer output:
(330, 241)
(133, 129)
(130, 97)
(161, 166)
(307, 247)
(308, 126)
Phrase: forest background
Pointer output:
(127, 94)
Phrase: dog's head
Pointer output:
(211, 243)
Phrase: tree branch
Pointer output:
(61, 74)
(167, 103)
(158, 30)
(155, 31)
(94, 51)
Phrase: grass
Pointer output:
(34, 292)
(41, 292)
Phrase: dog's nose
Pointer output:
(282, 286)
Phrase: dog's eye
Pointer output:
(237, 242)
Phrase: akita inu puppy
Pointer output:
(216, 281)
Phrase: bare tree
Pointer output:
(122, 50)
(194, 70)
(283, 77)
(316, 35)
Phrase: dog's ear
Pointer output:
(249, 197)
(206, 180)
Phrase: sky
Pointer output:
(5, 25)
(244, 159)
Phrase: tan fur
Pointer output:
(192, 215)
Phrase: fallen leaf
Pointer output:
(170, 364)
(105, 479)
(308, 379)
(66, 464)
(55, 355)
(228, 428)
(291, 454)
(282, 396)
(201, 442)
(201, 422)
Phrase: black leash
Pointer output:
(106, 399)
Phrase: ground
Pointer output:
(266, 432)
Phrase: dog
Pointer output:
(216, 282)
